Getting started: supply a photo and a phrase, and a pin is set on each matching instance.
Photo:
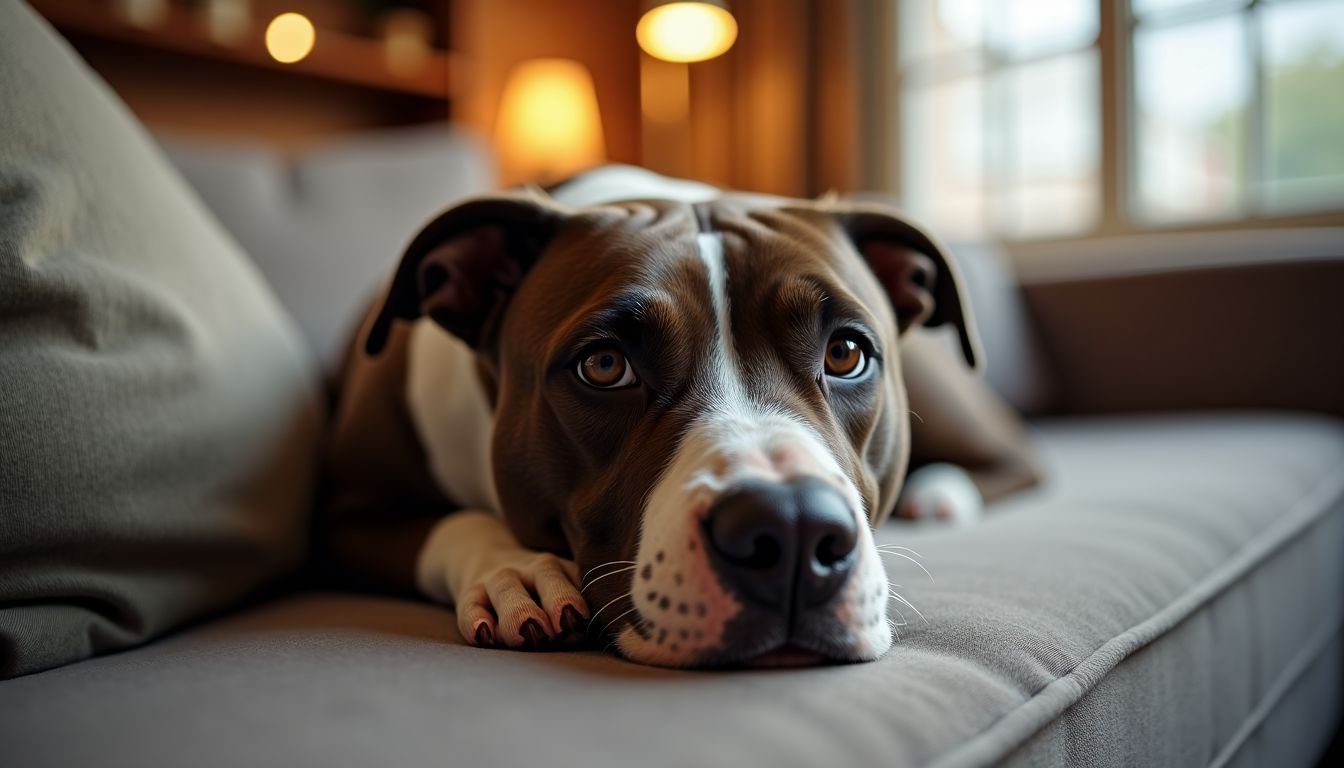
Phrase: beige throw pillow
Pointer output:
(159, 414)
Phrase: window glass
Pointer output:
(1192, 84)
(1021, 28)
(1144, 8)
(1303, 44)
(931, 28)
(1049, 162)
(942, 157)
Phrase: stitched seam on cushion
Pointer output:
(1299, 664)
(1015, 727)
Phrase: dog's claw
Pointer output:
(571, 623)
(484, 637)
(534, 637)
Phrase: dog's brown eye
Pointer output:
(606, 369)
(845, 358)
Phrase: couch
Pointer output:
(1173, 594)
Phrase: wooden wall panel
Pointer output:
(772, 116)
(833, 101)
(779, 112)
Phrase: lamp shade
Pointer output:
(548, 126)
(686, 31)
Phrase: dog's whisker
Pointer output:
(911, 559)
(593, 620)
(613, 621)
(899, 612)
(909, 605)
(604, 565)
(916, 415)
(895, 629)
(891, 547)
(589, 585)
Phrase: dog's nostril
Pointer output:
(765, 553)
(830, 551)
(750, 527)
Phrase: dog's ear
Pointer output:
(461, 269)
(919, 276)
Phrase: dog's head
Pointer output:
(702, 404)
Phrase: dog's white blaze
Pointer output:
(731, 389)
(442, 389)
(733, 440)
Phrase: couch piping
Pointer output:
(1297, 666)
(1015, 727)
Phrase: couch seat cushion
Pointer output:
(1161, 601)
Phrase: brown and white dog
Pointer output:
(664, 412)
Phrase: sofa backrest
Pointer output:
(327, 225)
(1179, 321)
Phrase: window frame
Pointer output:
(1118, 160)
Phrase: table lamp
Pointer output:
(548, 125)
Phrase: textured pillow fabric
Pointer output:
(159, 413)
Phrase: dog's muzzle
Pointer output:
(755, 544)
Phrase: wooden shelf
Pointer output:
(336, 57)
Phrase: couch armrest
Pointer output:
(1200, 330)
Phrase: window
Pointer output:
(1238, 107)
(999, 115)
(1223, 109)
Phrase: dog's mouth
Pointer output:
(786, 655)
(650, 642)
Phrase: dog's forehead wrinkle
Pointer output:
(637, 303)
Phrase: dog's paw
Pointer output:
(941, 492)
(527, 602)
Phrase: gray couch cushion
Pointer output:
(328, 224)
(1156, 604)
(159, 413)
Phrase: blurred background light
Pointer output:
(548, 126)
(686, 31)
(290, 37)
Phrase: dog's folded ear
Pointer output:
(919, 276)
(461, 269)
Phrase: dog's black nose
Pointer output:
(783, 544)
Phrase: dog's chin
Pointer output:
(786, 656)
(789, 655)
(765, 653)
(799, 653)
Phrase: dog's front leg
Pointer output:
(506, 595)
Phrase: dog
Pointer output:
(661, 416)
